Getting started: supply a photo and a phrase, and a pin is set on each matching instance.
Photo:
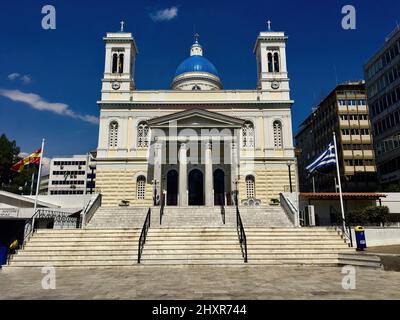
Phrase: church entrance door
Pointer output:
(172, 188)
(196, 188)
(219, 187)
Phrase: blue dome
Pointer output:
(196, 64)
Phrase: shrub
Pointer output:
(377, 214)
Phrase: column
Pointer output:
(209, 186)
(234, 166)
(183, 199)
(157, 168)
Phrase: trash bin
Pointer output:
(360, 238)
(3, 255)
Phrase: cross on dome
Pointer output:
(196, 38)
(269, 25)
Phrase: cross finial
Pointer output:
(196, 37)
(269, 25)
(122, 25)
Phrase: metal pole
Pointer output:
(340, 184)
(33, 181)
(38, 184)
(313, 184)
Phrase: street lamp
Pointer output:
(289, 164)
(236, 192)
(155, 192)
(92, 168)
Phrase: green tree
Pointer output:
(15, 182)
(9, 152)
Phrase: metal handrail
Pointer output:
(162, 209)
(90, 209)
(30, 225)
(241, 234)
(223, 210)
(289, 208)
(143, 235)
(343, 222)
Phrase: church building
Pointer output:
(196, 144)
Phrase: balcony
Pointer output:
(366, 138)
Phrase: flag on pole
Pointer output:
(34, 158)
(326, 158)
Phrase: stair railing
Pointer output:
(344, 225)
(90, 209)
(223, 209)
(241, 234)
(162, 209)
(143, 235)
(17, 242)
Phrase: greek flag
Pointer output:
(327, 158)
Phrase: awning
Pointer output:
(346, 195)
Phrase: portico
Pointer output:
(195, 157)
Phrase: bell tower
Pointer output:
(119, 71)
(270, 51)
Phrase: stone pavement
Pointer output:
(201, 282)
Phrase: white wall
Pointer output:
(67, 201)
(381, 236)
(392, 201)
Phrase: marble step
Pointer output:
(360, 260)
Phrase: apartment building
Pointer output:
(382, 74)
(345, 112)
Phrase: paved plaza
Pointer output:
(201, 282)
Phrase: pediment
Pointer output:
(197, 118)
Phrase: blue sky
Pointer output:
(61, 69)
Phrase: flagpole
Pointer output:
(339, 181)
(38, 184)
(32, 183)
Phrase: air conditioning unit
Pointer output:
(310, 210)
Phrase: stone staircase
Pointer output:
(193, 235)
(182, 246)
(211, 217)
(192, 246)
(119, 217)
(79, 249)
(295, 246)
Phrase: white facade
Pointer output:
(71, 175)
(146, 135)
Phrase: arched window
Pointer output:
(121, 63)
(143, 135)
(278, 135)
(270, 63)
(250, 187)
(248, 135)
(113, 135)
(276, 62)
(115, 63)
(141, 188)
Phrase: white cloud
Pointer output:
(13, 76)
(38, 103)
(165, 14)
(25, 79)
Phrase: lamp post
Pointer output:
(235, 196)
(92, 168)
(289, 164)
(155, 192)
